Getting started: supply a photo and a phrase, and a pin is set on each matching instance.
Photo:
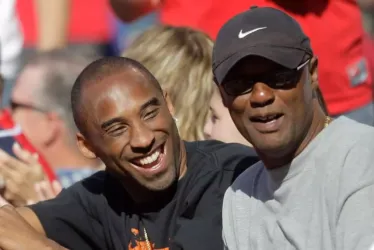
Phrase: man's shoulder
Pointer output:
(94, 183)
(344, 134)
(352, 131)
(218, 162)
(247, 180)
(87, 195)
(221, 155)
(85, 192)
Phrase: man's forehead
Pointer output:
(122, 84)
(118, 94)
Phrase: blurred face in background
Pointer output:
(40, 126)
(219, 125)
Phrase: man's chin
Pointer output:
(162, 185)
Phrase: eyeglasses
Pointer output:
(15, 105)
(277, 80)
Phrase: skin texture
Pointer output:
(302, 117)
(129, 118)
(25, 232)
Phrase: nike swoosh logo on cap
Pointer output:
(242, 35)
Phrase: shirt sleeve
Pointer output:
(66, 221)
(355, 217)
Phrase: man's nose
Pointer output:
(261, 95)
(142, 137)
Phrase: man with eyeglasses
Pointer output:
(11, 167)
(41, 96)
(314, 185)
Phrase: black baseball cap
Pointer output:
(260, 31)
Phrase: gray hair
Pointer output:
(59, 72)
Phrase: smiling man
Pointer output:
(157, 192)
(314, 185)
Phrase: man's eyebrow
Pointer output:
(110, 122)
(152, 102)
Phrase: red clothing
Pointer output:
(335, 29)
(11, 133)
(89, 21)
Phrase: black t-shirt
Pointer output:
(96, 213)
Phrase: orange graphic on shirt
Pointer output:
(140, 243)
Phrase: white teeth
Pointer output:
(267, 118)
(150, 159)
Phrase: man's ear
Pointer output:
(85, 147)
(313, 71)
(169, 103)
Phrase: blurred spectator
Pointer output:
(20, 165)
(11, 41)
(127, 32)
(83, 25)
(52, 19)
(219, 125)
(335, 28)
(41, 105)
(180, 59)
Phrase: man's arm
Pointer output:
(31, 218)
(17, 233)
(130, 10)
(355, 213)
(53, 21)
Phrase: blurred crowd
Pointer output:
(45, 44)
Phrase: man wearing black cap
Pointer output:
(314, 185)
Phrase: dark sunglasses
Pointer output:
(281, 79)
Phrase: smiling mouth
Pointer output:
(150, 161)
(265, 118)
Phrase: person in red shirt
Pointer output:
(335, 28)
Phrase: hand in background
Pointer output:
(20, 175)
(46, 191)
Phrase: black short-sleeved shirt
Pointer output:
(96, 213)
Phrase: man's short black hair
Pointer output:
(95, 73)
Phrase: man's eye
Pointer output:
(151, 114)
(214, 118)
(117, 130)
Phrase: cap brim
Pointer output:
(287, 57)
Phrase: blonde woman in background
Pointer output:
(180, 58)
(219, 125)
